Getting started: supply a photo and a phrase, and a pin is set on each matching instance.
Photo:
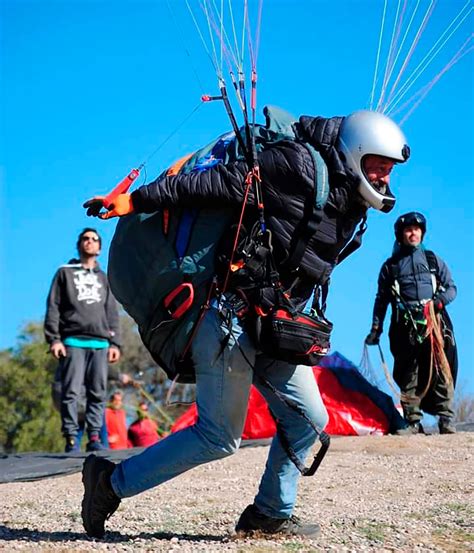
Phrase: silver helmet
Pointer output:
(367, 132)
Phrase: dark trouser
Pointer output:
(412, 373)
(83, 368)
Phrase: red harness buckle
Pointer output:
(171, 302)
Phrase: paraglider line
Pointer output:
(377, 59)
(425, 62)
(412, 48)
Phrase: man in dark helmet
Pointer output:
(418, 285)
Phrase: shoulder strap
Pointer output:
(313, 211)
(394, 271)
(434, 269)
(321, 177)
(392, 263)
(432, 262)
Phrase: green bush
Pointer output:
(29, 421)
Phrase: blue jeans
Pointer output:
(223, 380)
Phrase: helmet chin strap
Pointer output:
(380, 189)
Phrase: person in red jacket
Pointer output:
(143, 432)
(116, 422)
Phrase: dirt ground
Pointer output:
(409, 494)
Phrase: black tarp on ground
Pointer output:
(26, 467)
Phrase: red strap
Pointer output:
(187, 302)
(248, 184)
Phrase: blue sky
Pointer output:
(90, 89)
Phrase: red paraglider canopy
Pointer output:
(355, 407)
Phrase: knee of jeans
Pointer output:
(320, 420)
(324, 419)
(223, 448)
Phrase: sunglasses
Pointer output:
(87, 238)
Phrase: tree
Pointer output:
(135, 357)
(29, 420)
(463, 404)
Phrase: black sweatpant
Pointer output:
(83, 367)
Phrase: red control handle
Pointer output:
(121, 188)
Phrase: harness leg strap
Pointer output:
(323, 436)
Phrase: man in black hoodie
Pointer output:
(82, 330)
(411, 280)
(358, 153)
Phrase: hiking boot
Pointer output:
(100, 501)
(71, 445)
(412, 428)
(94, 443)
(446, 426)
(253, 521)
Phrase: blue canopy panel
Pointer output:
(349, 376)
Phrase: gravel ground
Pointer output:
(409, 494)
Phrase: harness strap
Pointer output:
(434, 269)
(313, 211)
(251, 177)
(323, 437)
(204, 308)
(355, 243)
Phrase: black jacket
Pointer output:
(80, 304)
(413, 274)
(288, 187)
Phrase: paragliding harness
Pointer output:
(413, 315)
(424, 324)
(252, 290)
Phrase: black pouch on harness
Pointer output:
(277, 327)
(297, 337)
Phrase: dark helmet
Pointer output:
(412, 218)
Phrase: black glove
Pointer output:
(94, 206)
(373, 337)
